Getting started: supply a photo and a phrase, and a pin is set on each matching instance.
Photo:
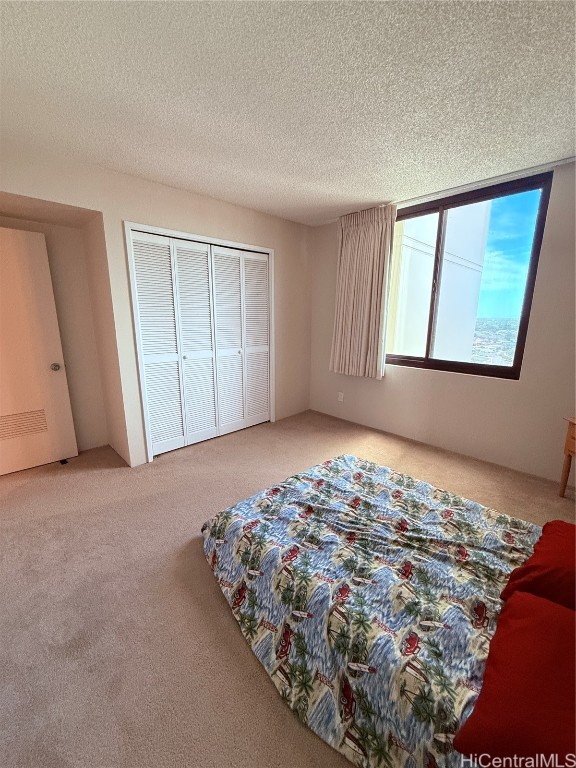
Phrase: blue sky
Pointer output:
(511, 229)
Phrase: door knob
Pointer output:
(55, 367)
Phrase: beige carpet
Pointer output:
(116, 645)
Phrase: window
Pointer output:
(462, 279)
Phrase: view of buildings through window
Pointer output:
(482, 281)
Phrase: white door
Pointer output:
(194, 301)
(36, 424)
(156, 313)
(203, 318)
(256, 338)
(228, 332)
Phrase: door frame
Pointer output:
(131, 227)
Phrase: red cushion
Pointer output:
(551, 571)
(526, 705)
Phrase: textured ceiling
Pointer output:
(306, 110)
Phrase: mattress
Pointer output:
(370, 598)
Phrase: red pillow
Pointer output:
(526, 705)
(551, 571)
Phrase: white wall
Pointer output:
(411, 283)
(518, 424)
(68, 268)
(120, 197)
(105, 327)
(515, 423)
(463, 260)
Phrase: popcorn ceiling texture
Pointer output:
(303, 110)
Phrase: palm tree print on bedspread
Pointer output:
(370, 598)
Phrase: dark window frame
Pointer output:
(541, 181)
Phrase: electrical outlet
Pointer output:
(340, 397)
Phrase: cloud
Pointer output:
(503, 272)
(513, 219)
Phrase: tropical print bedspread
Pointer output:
(370, 598)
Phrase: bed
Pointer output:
(370, 598)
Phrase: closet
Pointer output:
(202, 322)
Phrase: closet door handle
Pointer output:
(184, 357)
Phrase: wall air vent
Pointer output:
(20, 424)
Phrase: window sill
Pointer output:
(474, 369)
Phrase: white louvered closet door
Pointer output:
(257, 338)
(194, 301)
(156, 314)
(228, 322)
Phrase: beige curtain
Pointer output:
(364, 247)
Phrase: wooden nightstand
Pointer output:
(569, 451)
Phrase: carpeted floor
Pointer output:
(116, 645)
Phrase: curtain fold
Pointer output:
(364, 248)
